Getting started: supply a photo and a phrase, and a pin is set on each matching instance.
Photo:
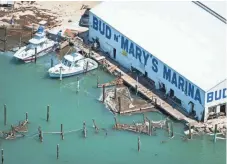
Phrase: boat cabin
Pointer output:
(70, 60)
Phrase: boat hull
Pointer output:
(57, 75)
(40, 54)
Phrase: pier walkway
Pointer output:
(160, 102)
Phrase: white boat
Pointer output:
(73, 65)
(39, 43)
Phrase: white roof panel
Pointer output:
(217, 6)
(180, 34)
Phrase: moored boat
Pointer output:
(38, 46)
(72, 65)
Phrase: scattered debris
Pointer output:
(119, 100)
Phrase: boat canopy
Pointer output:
(73, 57)
(37, 40)
(40, 34)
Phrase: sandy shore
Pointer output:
(59, 12)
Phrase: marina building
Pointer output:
(180, 47)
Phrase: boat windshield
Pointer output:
(67, 63)
(30, 46)
(37, 37)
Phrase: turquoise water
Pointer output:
(27, 88)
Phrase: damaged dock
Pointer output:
(113, 68)
(119, 100)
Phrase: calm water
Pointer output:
(27, 88)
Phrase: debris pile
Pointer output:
(147, 127)
(209, 126)
(16, 131)
(119, 100)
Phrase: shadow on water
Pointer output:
(16, 61)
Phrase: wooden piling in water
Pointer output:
(2, 156)
(26, 116)
(119, 104)
(150, 128)
(138, 144)
(35, 53)
(215, 132)
(5, 114)
(171, 124)
(190, 131)
(57, 151)
(96, 128)
(51, 62)
(62, 133)
(116, 124)
(78, 84)
(60, 73)
(84, 129)
(97, 81)
(48, 112)
(40, 134)
(103, 93)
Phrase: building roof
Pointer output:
(182, 35)
(218, 6)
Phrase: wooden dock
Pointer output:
(160, 103)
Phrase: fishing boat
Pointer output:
(73, 64)
(38, 46)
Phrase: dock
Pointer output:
(150, 95)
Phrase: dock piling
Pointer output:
(48, 112)
(136, 86)
(97, 81)
(26, 116)
(5, 114)
(78, 84)
(172, 134)
(116, 124)
(103, 93)
(215, 132)
(2, 156)
(40, 134)
(62, 133)
(84, 129)
(57, 151)
(119, 104)
(150, 127)
(96, 128)
(138, 144)
(190, 131)
(51, 62)
(60, 73)
(35, 53)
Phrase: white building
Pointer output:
(178, 45)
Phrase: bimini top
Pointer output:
(73, 57)
(181, 34)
